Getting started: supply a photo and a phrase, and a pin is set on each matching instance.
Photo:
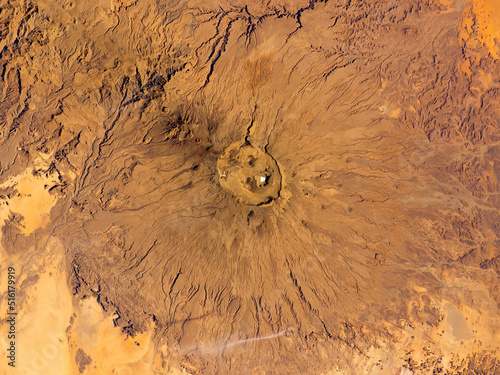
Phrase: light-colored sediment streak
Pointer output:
(218, 347)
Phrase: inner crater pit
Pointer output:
(249, 173)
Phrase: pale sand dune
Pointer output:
(30, 198)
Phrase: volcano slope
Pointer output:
(264, 187)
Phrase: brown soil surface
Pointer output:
(251, 187)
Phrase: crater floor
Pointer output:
(252, 175)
